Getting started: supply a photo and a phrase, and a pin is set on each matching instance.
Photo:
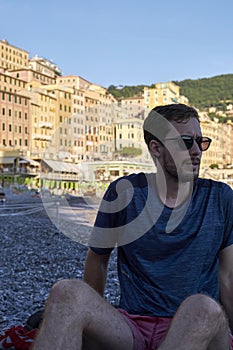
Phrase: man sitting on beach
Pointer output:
(174, 233)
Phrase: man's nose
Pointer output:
(195, 149)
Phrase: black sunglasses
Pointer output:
(203, 142)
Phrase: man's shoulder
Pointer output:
(209, 183)
(213, 186)
(136, 179)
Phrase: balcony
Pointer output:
(46, 125)
(41, 137)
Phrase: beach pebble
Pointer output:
(34, 254)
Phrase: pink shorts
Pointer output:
(149, 332)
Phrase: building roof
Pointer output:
(59, 166)
(7, 160)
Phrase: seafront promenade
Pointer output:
(35, 254)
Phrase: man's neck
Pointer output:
(173, 193)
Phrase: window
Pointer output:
(3, 111)
(3, 127)
(10, 127)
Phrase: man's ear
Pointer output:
(155, 148)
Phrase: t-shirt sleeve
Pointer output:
(108, 219)
(228, 216)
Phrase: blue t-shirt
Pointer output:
(162, 266)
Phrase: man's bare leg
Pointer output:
(73, 309)
(199, 324)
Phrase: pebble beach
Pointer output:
(34, 255)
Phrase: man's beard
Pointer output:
(182, 174)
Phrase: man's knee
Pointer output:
(68, 290)
(205, 309)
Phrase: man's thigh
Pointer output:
(109, 330)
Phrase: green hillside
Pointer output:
(207, 92)
(202, 93)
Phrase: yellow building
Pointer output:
(78, 122)
(11, 57)
(63, 139)
(77, 84)
(99, 116)
(162, 94)
(43, 120)
(219, 152)
(129, 133)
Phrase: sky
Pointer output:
(124, 42)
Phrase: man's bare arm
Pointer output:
(95, 271)
(226, 282)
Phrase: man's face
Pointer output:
(177, 162)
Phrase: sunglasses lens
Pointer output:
(188, 141)
(204, 143)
